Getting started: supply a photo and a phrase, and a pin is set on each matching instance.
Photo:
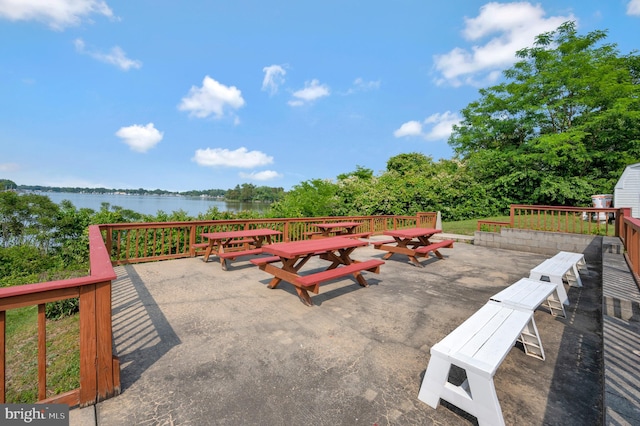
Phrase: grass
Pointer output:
(63, 355)
(469, 226)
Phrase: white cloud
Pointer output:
(410, 128)
(9, 167)
(359, 85)
(509, 27)
(273, 78)
(440, 127)
(57, 14)
(633, 8)
(312, 90)
(115, 57)
(140, 138)
(261, 176)
(241, 157)
(211, 98)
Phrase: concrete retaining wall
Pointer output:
(541, 242)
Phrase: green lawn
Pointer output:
(468, 227)
(63, 355)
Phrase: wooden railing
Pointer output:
(113, 244)
(144, 242)
(630, 235)
(99, 368)
(575, 220)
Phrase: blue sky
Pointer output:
(213, 94)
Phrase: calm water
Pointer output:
(150, 204)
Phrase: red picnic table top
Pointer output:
(246, 233)
(337, 225)
(304, 247)
(412, 232)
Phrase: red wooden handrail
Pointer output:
(111, 244)
(99, 368)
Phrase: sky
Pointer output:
(196, 95)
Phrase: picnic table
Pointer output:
(413, 242)
(233, 244)
(288, 258)
(337, 229)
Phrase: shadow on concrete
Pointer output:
(576, 386)
(141, 333)
(327, 293)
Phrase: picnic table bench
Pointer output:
(530, 294)
(294, 255)
(562, 266)
(478, 346)
(233, 244)
(412, 242)
(337, 229)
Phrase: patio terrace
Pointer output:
(198, 345)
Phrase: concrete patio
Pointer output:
(202, 346)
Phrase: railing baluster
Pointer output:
(3, 363)
(42, 352)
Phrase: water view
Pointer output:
(150, 204)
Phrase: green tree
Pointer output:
(313, 198)
(26, 219)
(561, 127)
(6, 184)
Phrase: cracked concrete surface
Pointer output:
(201, 346)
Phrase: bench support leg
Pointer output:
(562, 293)
(476, 395)
(530, 339)
(555, 306)
(573, 276)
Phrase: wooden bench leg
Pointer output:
(438, 254)
(434, 381)
(484, 405)
(573, 276)
(555, 306)
(274, 282)
(530, 339)
(415, 261)
(304, 296)
(477, 395)
(361, 280)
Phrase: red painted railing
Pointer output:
(99, 368)
(114, 244)
(574, 220)
(630, 235)
(144, 242)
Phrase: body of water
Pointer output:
(150, 204)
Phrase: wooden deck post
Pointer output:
(88, 350)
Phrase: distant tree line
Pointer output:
(245, 192)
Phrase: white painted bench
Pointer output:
(529, 294)
(563, 265)
(478, 346)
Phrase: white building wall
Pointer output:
(627, 190)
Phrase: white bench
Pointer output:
(529, 294)
(478, 346)
(563, 265)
